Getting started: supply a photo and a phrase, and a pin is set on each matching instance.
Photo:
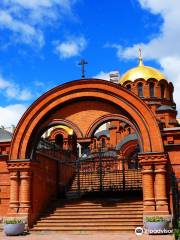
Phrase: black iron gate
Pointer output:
(102, 171)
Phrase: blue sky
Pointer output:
(42, 41)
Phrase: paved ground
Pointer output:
(85, 236)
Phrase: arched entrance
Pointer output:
(82, 105)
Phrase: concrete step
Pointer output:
(91, 228)
(93, 220)
(88, 224)
(127, 216)
(98, 205)
(111, 214)
(99, 210)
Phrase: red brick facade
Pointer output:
(28, 184)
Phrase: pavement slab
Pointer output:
(85, 236)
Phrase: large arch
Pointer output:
(97, 89)
(117, 117)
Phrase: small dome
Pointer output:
(141, 71)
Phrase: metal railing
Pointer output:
(53, 150)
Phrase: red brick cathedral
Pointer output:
(94, 146)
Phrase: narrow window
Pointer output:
(140, 89)
(59, 140)
(151, 89)
(128, 87)
(94, 144)
(171, 96)
(162, 90)
(129, 131)
(103, 142)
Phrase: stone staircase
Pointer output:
(91, 210)
(102, 214)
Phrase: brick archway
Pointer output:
(117, 117)
(97, 89)
(64, 122)
(82, 105)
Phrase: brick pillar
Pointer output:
(25, 188)
(14, 190)
(160, 187)
(148, 188)
(113, 135)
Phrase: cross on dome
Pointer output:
(140, 57)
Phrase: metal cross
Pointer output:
(140, 57)
(82, 63)
(140, 53)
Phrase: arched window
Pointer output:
(171, 89)
(171, 95)
(162, 90)
(140, 89)
(59, 140)
(94, 144)
(128, 87)
(151, 89)
(129, 131)
(103, 142)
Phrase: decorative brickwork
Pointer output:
(20, 181)
(32, 180)
(154, 181)
(25, 191)
(160, 187)
(148, 188)
(14, 190)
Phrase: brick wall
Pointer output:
(44, 187)
(4, 186)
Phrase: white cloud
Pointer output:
(26, 32)
(72, 47)
(103, 75)
(24, 95)
(10, 115)
(165, 47)
(112, 75)
(38, 83)
(35, 4)
(26, 19)
(13, 91)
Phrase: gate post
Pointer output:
(160, 188)
(78, 175)
(148, 187)
(25, 195)
(20, 191)
(154, 182)
(14, 191)
(124, 177)
(100, 170)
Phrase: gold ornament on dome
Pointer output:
(141, 71)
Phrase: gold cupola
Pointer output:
(141, 71)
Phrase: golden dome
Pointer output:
(67, 129)
(141, 71)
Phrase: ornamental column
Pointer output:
(148, 188)
(154, 180)
(14, 190)
(25, 188)
(160, 187)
